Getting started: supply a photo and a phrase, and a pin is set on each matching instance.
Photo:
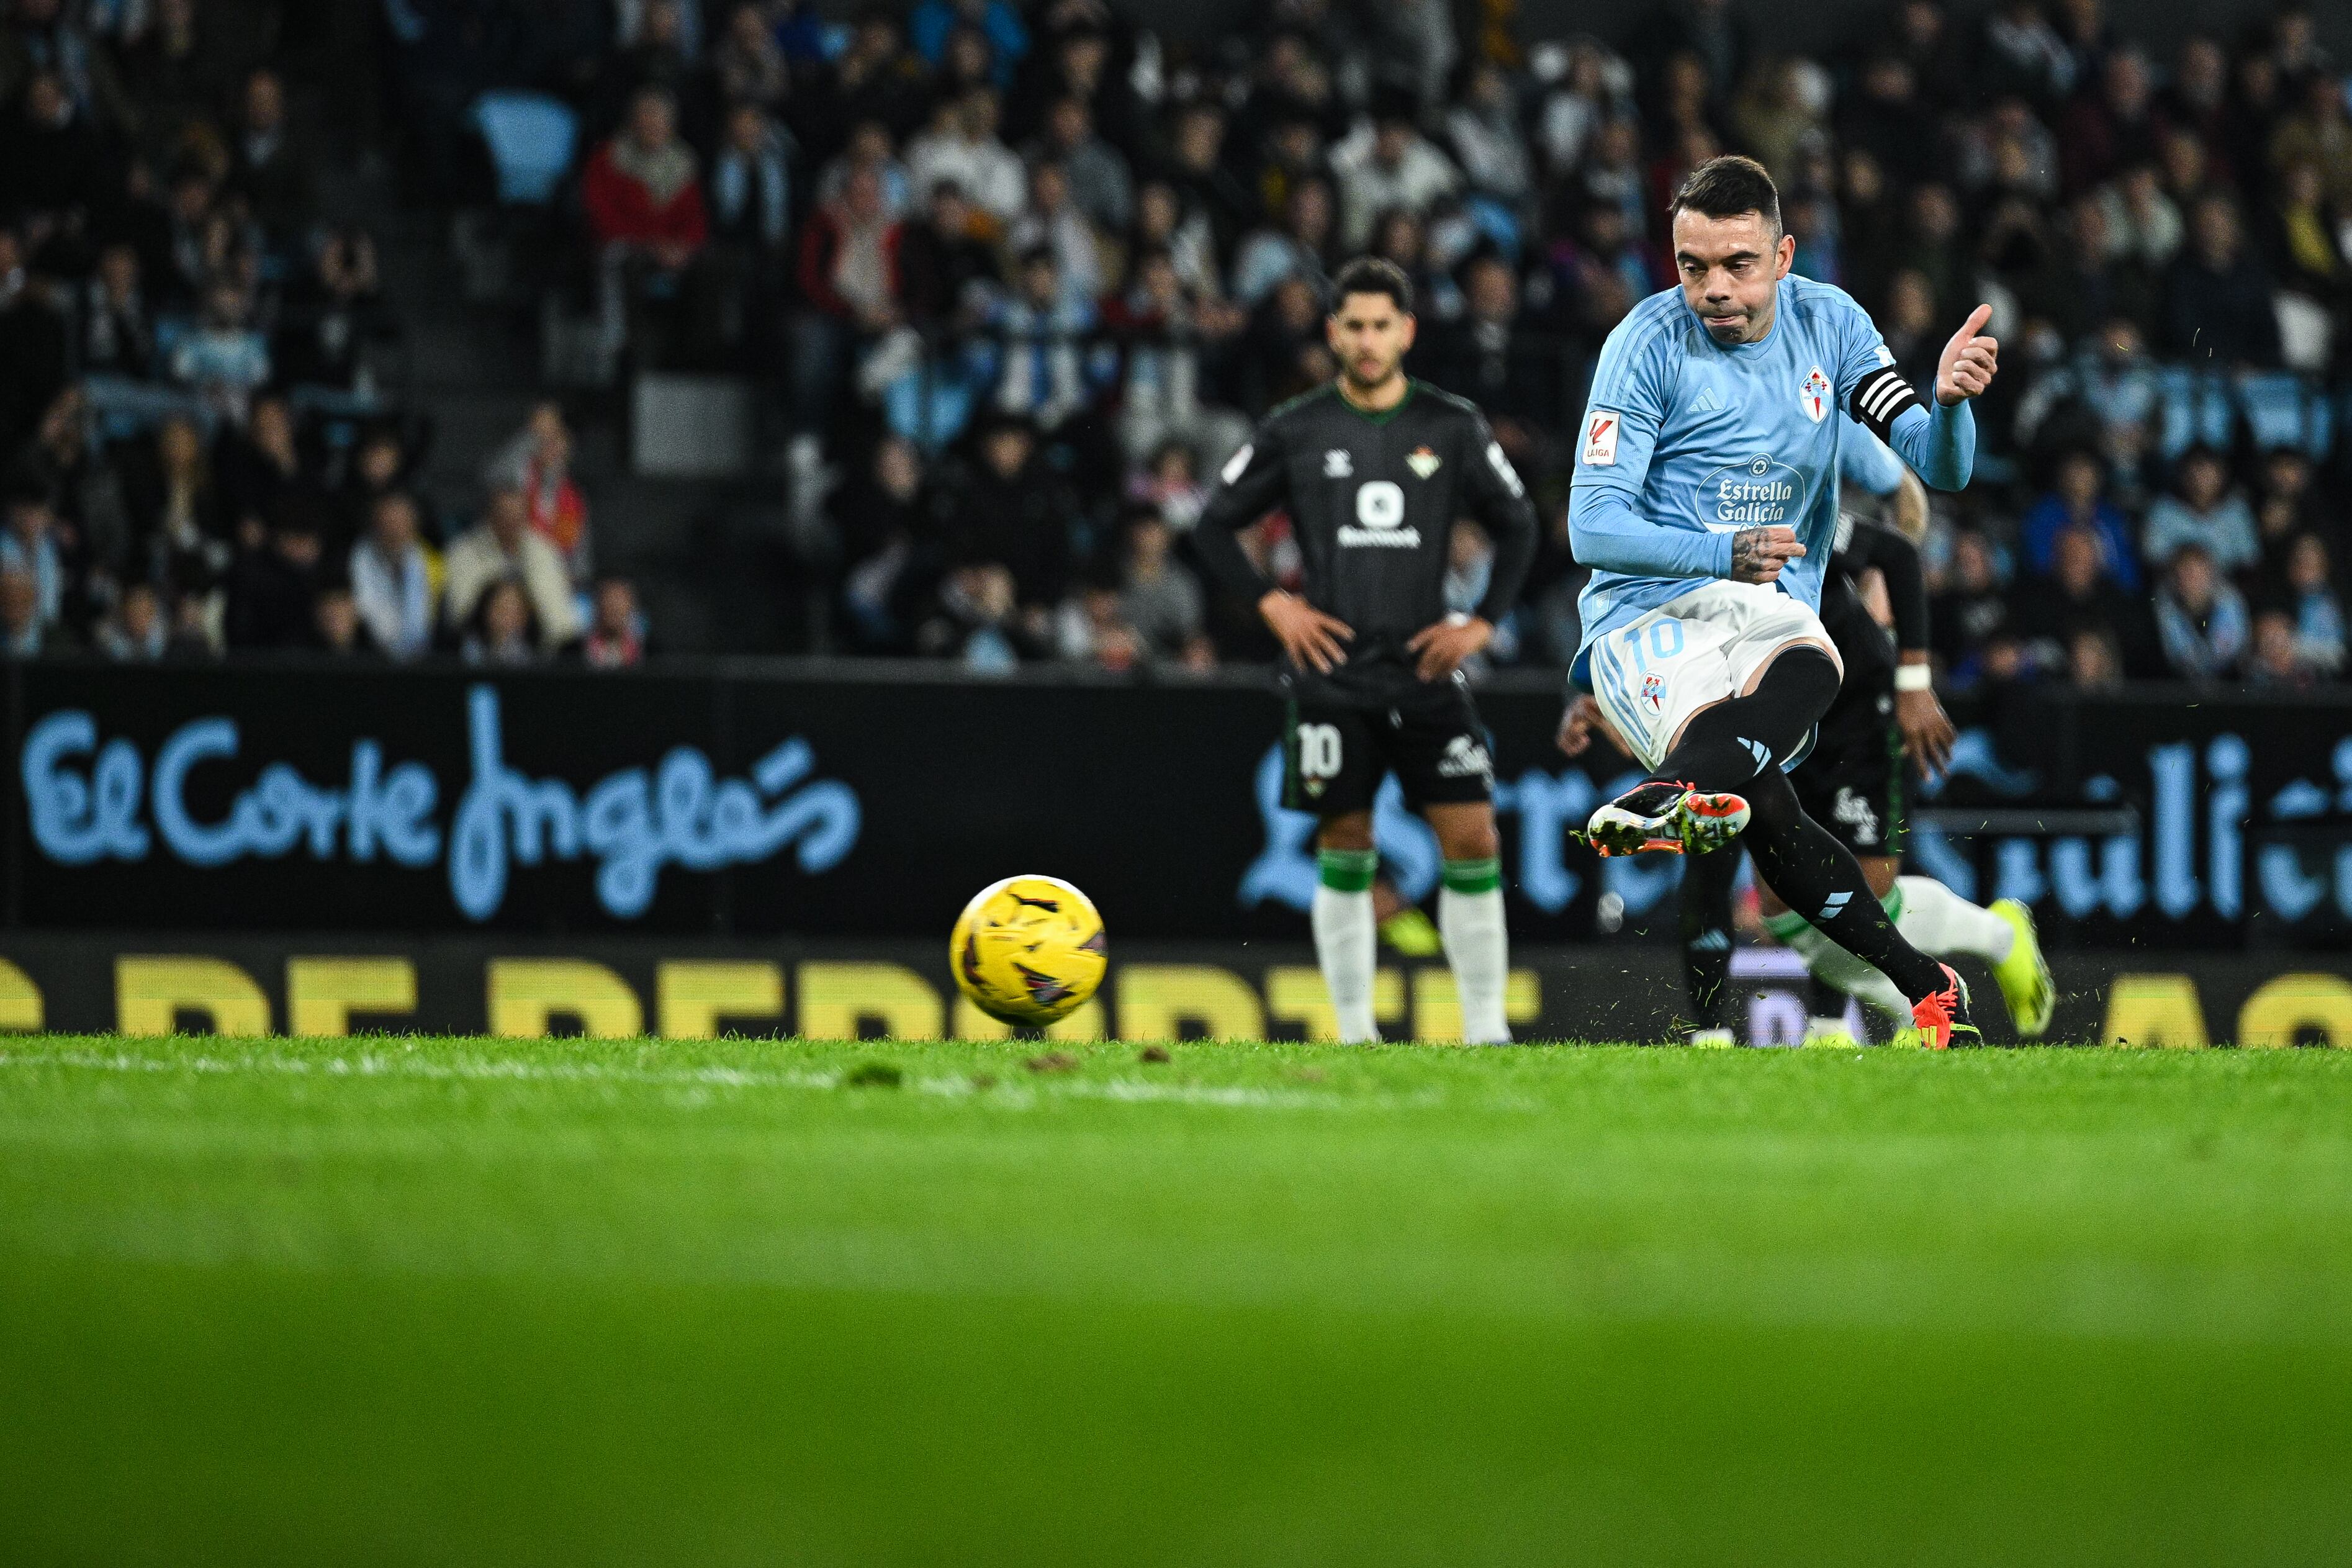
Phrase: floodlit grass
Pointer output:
(465, 1301)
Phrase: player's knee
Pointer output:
(1801, 684)
(1351, 831)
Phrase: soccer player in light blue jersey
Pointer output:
(1705, 499)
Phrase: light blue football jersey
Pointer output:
(1686, 441)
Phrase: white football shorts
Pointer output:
(1692, 653)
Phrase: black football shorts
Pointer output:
(1336, 755)
(1852, 783)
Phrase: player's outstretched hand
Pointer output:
(1445, 646)
(1927, 730)
(1969, 361)
(1759, 554)
(1583, 721)
(1309, 637)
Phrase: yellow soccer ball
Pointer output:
(1028, 950)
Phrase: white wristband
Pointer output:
(1913, 677)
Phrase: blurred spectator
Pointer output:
(849, 275)
(537, 460)
(1969, 611)
(2316, 606)
(1483, 128)
(2319, 132)
(1163, 220)
(617, 636)
(975, 621)
(1489, 356)
(23, 633)
(960, 145)
(1168, 339)
(2205, 511)
(1169, 483)
(1102, 186)
(332, 314)
(503, 547)
(751, 199)
(391, 583)
(2111, 127)
(2216, 301)
(502, 629)
(2201, 617)
(748, 66)
(2092, 662)
(2075, 501)
(135, 631)
(1387, 167)
(1047, 372)
(870, 148)
(2079, 595)
(934, 21)
(1007, 509)
(271, 168)
(1199, 175)
(336, 627)
(947, 272)
(1090, 629)
(224, 360)
(29, 547)
(1298, 248)
(177, 519)
(888, 524)
(643, 193)
(1051, 222)
(2276, 658)
(1158, 598)
(117, 333)
(272, 586)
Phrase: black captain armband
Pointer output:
(1879, 397)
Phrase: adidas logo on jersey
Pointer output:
(1717, 939)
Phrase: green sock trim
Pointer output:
(1348, 870)
(1892, 902)
(1786, 924)
(1473, 875)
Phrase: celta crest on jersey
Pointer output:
(1814, 396)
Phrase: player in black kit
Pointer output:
(1373, 471)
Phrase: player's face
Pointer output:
(1731, 267)
(1370, 336)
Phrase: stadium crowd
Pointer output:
(1017, 278)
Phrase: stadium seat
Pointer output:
(531, 138)
(2198, 409)
(2282, 410)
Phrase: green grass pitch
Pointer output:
(464, 1302)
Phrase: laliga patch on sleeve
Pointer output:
(1237, 465)
(1600, 438)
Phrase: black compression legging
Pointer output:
(1739, 746)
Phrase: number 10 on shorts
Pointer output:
(1664, 639)
(1318, 755)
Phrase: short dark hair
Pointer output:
(1726, 187)
(1371, 275)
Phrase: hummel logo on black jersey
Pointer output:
(1339, 465)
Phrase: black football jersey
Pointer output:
(1372, 498)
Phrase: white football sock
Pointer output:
(1939, 923)
(1477, 944)
(1347, 943)
(1830, 962)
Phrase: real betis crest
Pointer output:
(1422, 461)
